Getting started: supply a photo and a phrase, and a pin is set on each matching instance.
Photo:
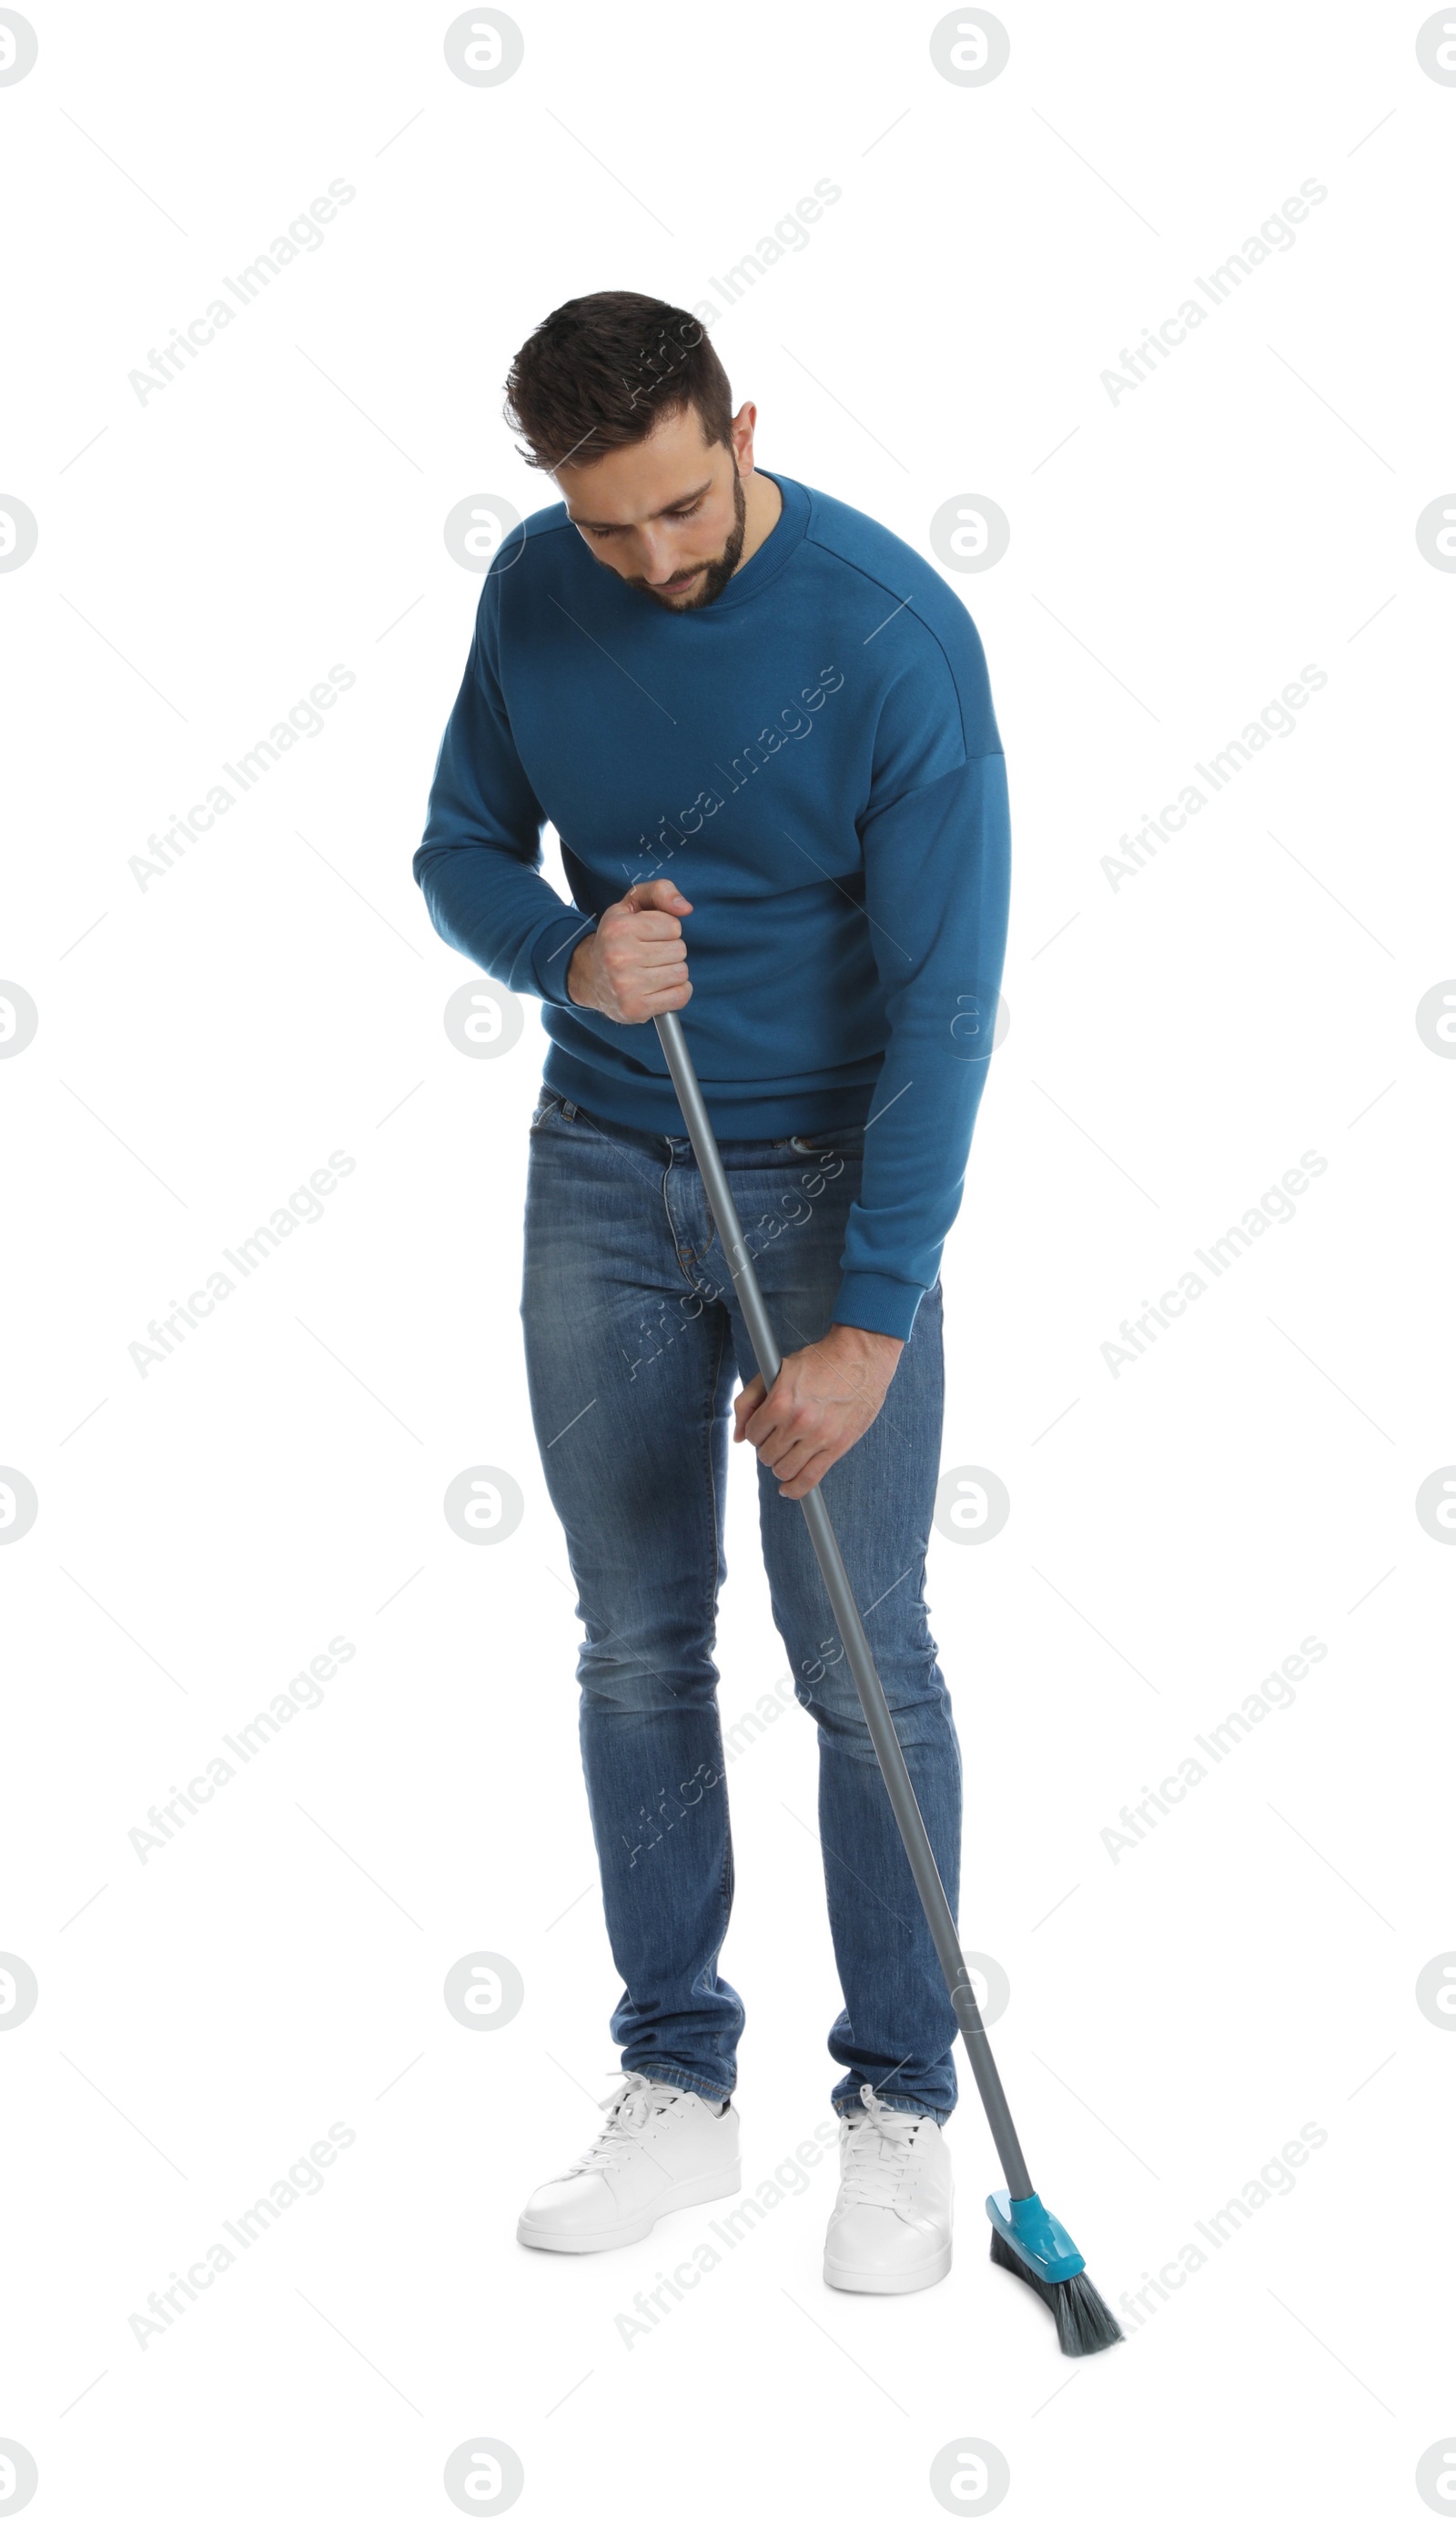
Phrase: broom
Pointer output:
(1025, 2238)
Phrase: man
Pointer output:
(761, 728)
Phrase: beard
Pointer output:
(716, 574)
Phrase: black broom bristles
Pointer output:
(1084, 2321)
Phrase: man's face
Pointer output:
(667, 514)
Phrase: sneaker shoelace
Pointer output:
(629, 2110)
(877, 2154)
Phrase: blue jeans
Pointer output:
(634, 1345)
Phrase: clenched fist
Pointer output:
(824, 1399)
(635, 964)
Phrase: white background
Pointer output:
(1176, 1043)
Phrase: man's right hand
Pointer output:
(635, 964)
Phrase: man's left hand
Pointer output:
(824, 1398)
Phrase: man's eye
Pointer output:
(602, 533)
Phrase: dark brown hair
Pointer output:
(600, 372)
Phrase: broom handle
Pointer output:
(852, 1631)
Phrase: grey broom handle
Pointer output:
(852, 1631)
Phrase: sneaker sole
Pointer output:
(592, 2241)
(853, 2277)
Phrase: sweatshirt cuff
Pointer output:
(878, 1304)
(551, 952)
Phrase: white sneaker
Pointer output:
(660, 2150)
(889, 2229)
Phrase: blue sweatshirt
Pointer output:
(814, 758)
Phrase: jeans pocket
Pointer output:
(547, 1105)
